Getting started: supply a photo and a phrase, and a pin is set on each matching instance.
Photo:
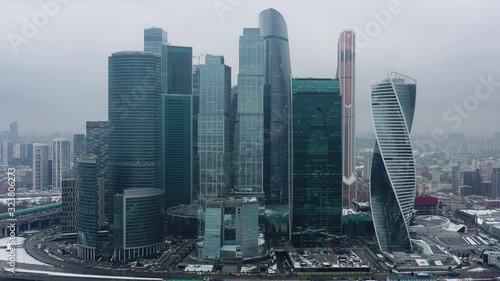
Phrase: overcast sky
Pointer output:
(57, 78)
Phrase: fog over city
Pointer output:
(54, 78)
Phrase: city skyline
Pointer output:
(439, 92)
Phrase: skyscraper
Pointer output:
(393, 185)
(250, 113)
(134, 143)
(177, 149)
(87, 207)
(97, 145)
(196, 109)
(176, 127)
(495, 182)
(69, 205)
(14, 134)
(79, 149)
(316, 195)
(277, 96)
(40, 166)
(155, 42)
(346, 75)
(60, 161)
(213, 139)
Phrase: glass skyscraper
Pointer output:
(176, 127)
(79, 148)
(346, 75)
(60, 161)
(155, 42)
(88, 207)
(40, 166)
(134, 141)
(177, 149)
(250, 110)
(277, 96)
(393, 185)
(213, 139)
(316, 196)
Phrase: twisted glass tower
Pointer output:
(393, 186)
(277, 96)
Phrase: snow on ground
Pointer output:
(478, 269)
(21, 255)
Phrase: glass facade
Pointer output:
(97, 144)
(176, 127)
(177, 149)
(393, 185)
(69, 201)
(79, 148)
(277, 96)
(60, 161)
(213, 139)
(138, 232)
(346, 75)
(87, 210)
(40, 166)
(179, 70)
(155, 42)
(250, 111)
(316, 204)
(196, 109)
(134, 141)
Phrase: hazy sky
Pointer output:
(57, 79)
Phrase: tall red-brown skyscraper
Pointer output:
(345, 74)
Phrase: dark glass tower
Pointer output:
(277, 96)
(316, 197)
(393, 185)
(87, 207)
(177, 149)
(176, 127)
(97, 145)
(134, 143)
(79, 149)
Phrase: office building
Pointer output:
(14, 133)
(250, 114)
(232, 230)
(69, 205)
(134, 146)
(88, 207)
(367, 167)
(393, 185)
(60, 161)
(40, 166)
(79, 149)
(495, 182)
(155, 42)
(277, 104)
(196, 109)
(316, 204)
(213, 139)
(97, 144)
(472, 177)
(346, 76)
(177, 155)
(177, 149)
(7, 153)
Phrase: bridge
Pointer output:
(36, 217)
